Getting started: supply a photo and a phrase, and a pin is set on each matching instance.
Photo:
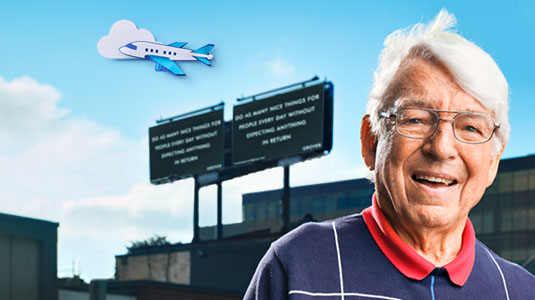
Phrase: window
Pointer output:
(260, 210)
(507, 221)
(156, 51)
(532, 179)
(520, 219)
(521, 180)
(345, 202)
(272, 210)
(493, 188)
(250, 213)
(306, 205)
(506, 254)
(174, 53)
(330, 205)
(476, 221)
(487, 222)
(164, 52)
(295, 207)
(146, 49)
(151, 50)
(531, 219)
(505, 183)
(318, 205)
(520, 255)
(531, 252)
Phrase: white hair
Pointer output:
(472, 68)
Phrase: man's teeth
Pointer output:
(434, 179)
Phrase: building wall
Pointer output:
(225, 267)
(505, 218)
(79, 295)
(321, 201)
(27, 259)
(172, 267)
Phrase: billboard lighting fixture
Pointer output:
(302, 83)
(288, 161)
(207, 178)
(191, 113)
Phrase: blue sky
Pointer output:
(74, 125)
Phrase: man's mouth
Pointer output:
(433, 181)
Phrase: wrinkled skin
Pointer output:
(429, 216)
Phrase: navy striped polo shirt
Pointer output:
(361, 257)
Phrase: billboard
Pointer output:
(280, 126)
(186, 147)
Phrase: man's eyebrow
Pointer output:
(407, 102)
(419, 103)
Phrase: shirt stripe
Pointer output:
(339, 261)
(432, 287)
(340, 294)
(501, 273)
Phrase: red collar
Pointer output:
(408, 261)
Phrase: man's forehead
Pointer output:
(425, 84)
(435, 104)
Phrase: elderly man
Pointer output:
(435, 129)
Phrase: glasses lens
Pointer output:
(472, 128)
(415, 123)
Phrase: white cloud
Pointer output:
(49, 156)
(121, 33)
(57, 166)
(280, 67)
(144, 210)
(21, 117)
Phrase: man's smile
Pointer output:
(434, 180)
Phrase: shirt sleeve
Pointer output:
(269, 280)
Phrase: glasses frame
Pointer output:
(438, 118)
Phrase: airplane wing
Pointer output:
(166, 63)
(178, 44)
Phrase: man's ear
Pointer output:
(368, 142)
(493, 170)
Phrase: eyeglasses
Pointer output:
(421, 123)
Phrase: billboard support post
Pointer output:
(286, 200)
(219, 210)
(196, 211)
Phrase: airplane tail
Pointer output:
(204, 49)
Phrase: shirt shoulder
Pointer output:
(519, 282)
(314, 234)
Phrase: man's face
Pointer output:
(432, 182)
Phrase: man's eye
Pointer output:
(414, 121)
(470, 129)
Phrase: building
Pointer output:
(214, 269)
(505, 218)
(28, 258)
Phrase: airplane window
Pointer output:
(151, 50)
(156, 50)
(174, 53)
(164, 52)
(146, 49)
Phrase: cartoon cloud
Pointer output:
(121, 33)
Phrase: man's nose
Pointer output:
(442, 145)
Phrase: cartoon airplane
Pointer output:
(164, 55)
